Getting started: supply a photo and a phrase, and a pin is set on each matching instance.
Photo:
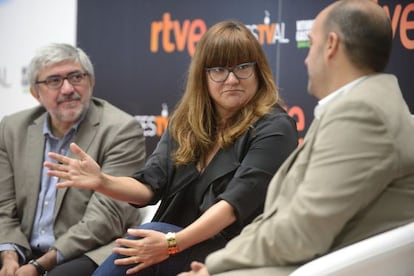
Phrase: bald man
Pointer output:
(353, 176)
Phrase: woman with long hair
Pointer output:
(226, 139)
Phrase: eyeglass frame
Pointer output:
(230, 70)
(76, 73)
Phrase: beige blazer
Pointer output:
(84, 221)
(352, 177)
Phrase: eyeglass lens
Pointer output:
(241, 71)
(57, 81)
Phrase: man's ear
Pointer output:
(34, 92)
(332, 44)
(92, 80)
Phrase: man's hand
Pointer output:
(26, 270)
(197, 269)
(10, 263)
(48, 260)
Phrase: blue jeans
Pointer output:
(171, 266)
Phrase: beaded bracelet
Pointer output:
(172, 243)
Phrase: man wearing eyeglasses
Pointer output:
(67, 231)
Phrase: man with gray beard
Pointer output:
(65, 231)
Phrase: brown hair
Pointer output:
(194, 122)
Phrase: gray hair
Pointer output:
(55, 53)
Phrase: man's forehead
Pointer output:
(65, 66)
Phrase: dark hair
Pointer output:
(365, 31)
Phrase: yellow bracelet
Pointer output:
(172, 243)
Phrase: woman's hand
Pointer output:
(151, 249)
(84, 173)
(197, 269)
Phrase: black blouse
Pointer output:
(238, 174)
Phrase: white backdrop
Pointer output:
(26, 25)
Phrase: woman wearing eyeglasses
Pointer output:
(211, 168)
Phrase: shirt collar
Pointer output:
(323, 103)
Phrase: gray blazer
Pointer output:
(84, 221)
(352, 177)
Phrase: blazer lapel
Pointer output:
(84, 138)
(33, 162)
(276, 184)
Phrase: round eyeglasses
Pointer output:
(242, 71)
(56, 82)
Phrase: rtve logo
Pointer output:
(402, 15)
(171, 35)
(186, 34)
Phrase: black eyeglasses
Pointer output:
(242, 71)
(56, 82)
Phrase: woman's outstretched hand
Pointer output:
(82, 173)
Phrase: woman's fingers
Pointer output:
(66, 160)
(64, 184)
(82, 172)
(58, 157)
(125, 251)
(137, 268)
(78, 151)
(139, 232)
(55, 166)
(127, 244)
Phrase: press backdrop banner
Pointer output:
(141, 49)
